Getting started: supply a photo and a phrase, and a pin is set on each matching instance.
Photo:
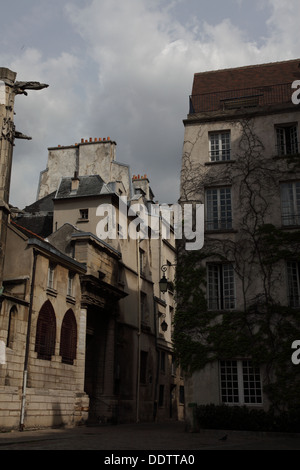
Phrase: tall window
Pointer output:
(181, 394)
(293, 273)
(219, 146)
(162, 361)
(143, 307)
(45, 332)
(161, 395)
(12, 320)
(218, 209)
(290, 203)
(143, 367)
(141, 261)
(70, 284)
(50, 281)
(68, 338)
(287, 140)
(220, 287)
(240, 383)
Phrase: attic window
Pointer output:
(139, 191)
(83, 214)
(241, 102)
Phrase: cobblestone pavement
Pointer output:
(162, 437)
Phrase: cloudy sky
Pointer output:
(124, 69)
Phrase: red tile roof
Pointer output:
(246, 77)
(250, 86)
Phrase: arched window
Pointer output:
(11, 330)
(68, 338)
(45, 332)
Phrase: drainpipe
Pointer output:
(139, 335)
(155, 327)
(157, 362)
(25, 372)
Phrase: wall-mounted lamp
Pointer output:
(163, 283)
(164, 325)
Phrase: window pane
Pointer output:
(280, 141)
(225, 138)
(225, 208)
(228, 286)
(219, 143)
(220, 286)
(294, 140)
(293, 284)
(290, 203)
(229, 383)
(218, 209)
(214, 147)
(212, 209)
(213, 287)
(252, 383)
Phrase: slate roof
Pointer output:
(92, 185)
(44, 204)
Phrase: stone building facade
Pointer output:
(116, 323)
(241, 144)
(43, 331)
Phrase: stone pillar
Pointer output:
(7, 129)
(81, 347)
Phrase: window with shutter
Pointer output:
(45, 332)
(68, 338)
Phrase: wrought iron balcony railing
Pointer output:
(244, 98)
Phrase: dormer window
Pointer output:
(84, 214)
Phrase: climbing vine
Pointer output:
(264, 328)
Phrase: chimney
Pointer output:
(75, 182)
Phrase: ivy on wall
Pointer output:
(264, 329)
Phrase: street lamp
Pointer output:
(163, 283)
